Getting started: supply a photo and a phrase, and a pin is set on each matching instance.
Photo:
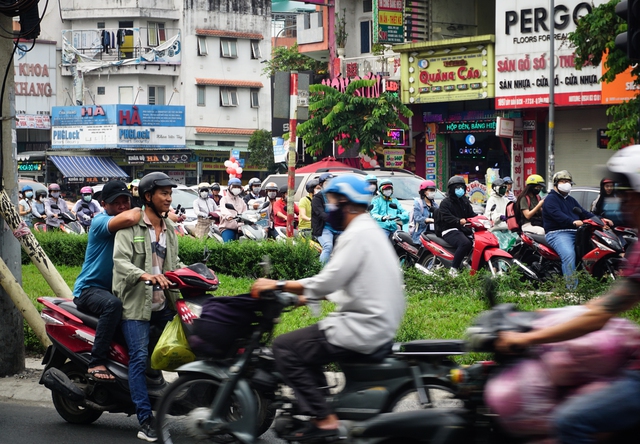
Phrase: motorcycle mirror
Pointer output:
(493, 207)
(394, 206)
(229, 206)
(577, 210)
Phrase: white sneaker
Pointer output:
(453, 272)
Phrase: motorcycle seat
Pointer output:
(439, 241)
(539, 238)
(431, 347)
(87, 319)
(405, 237)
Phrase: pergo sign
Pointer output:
(522, 55)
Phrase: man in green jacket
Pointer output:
(143, 253)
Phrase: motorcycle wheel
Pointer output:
(431, 262)
(439, 397)
(606, 270)
(498, 265)
(69, 410)
(186, 405)
(406, 261)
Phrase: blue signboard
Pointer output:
(121, 115)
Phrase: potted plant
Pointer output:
(341, 32)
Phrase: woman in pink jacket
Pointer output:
(228, 224)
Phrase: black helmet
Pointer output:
(456, 180)
(151, 181)
(215, 186)
(283, 190)
(311, 185)
(41, 193)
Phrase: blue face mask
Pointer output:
(28, 194)
(459, 192)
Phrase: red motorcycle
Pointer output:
(486, 251)
(81, 400)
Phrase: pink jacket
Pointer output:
(240, 206)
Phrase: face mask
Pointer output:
(55, 195)
(335, 216)
(204, 194)
(431, 194)
(236, 191)
(459, 192)
(372, 187)
(29, 194)
(256, 190)
(86, 198)
(537, 190)
(502, 191)
(564, 187)
(271, 194)
(387, 193)
(41, 198)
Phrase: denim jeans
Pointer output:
(229, 235)
(564, 243)
(136, 333)
(611, 409)
(326, 240)
(99, 302)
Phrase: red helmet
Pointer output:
(426, 184)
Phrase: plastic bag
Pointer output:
(172, 349)
(506, 239)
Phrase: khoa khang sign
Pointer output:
(522, 55)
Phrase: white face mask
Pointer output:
(431, 194)
(235, 191)
(55, 195)
(372, 187)
(256, 190)
(564, 187)
(204, 194)
(387, 193)
(271, 194)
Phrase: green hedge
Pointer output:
(240, 259)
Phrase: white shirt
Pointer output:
(500, 210)
(364, 279)
(202, 207)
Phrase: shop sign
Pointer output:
(140, 159)
(342, 83)
(29, 166)
(92, 180)
(177, 176)
(622, 89)
(395, 137)
(30, 121)
(279, 150)
(123, 115)
(393, 158)
(522, 55)
(477, 126)
(388, 21)
(35, 79)
(450, 78)
(505, 127)
(529, 125)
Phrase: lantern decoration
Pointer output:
(233, 168)
(367, 161)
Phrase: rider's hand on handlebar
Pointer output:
(577, 223)
(608, 223)
(511, 342)
(463, 221)
(384, 218)
(156, 279)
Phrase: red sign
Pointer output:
(542, 100)
(390, 5)
(530, 141)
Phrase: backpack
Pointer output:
(513, 221)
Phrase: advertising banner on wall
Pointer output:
(522, 55)
(35, 84)
(622, 89)
(388, 21)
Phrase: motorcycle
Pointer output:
(82, 400)
(69, 225)
(486, 251)
(254, 222)
(598, 251)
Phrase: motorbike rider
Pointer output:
(615, 407)
(320, 225)
(53, 214)
(215, 193)
(25, 205)
(364, 280)
(37, 209)
(451, 218)
(143, 252)
(497, 214)
(560, 222)
(383, 213)
(86, 208)
(228, 224)
(508, 181)
(372, 180)
(607, 204)
(424, 208)
(304, 218)
(92, 290)
(206, 210)
(136, 202)
(252, 198)
(280, 208)
(529, 205)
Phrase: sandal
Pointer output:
(92, 376)
(309, 432)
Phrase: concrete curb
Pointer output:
(25, 386)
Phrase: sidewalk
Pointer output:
(24, 386)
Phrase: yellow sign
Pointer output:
(393, 158)
(390, 18)
(448, 75)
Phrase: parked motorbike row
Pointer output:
(599, 251)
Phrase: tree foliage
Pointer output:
(593, 38)
(290, 59)
(349, 117)
(261, 149)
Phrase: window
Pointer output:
(200, 142)
(365, 37)
(228, 48)
(228, 97)
(255, 98)
(367, 6)
(101, 91)
(202, 46)
(226, 143)
(100, 25)
(156, 34)
(156, 95)
(125, 95)
(201, 95)
(255, 50)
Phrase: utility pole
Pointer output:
(11, 321)
(551, 162)
(293, 148)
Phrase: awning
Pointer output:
(87, 166)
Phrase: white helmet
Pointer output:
(625, 163)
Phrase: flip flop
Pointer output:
(310, 433)
(91, 376)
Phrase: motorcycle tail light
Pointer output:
(49, 320)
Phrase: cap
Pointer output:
(112, 190)
(507, 179)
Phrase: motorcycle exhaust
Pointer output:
(56, 381)
(530, 273)
(423, 269)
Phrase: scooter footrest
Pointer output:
(55, 380)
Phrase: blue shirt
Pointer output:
(558, 212)
(97, 269)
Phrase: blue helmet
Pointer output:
(26, 188)
(353, 187)
(235, 181)
(371, 178)
(507, 179)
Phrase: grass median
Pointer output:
(438, 306)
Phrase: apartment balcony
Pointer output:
(97, 49)
(83, 9)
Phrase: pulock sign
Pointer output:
(522, 55)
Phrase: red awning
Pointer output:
(326, 163)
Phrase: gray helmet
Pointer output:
(254, 181)
(154, 180)
(311, 185)
(456, 180)
(497, 183)
(564, 174)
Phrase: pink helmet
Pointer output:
(426, 184)
(86, 190)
